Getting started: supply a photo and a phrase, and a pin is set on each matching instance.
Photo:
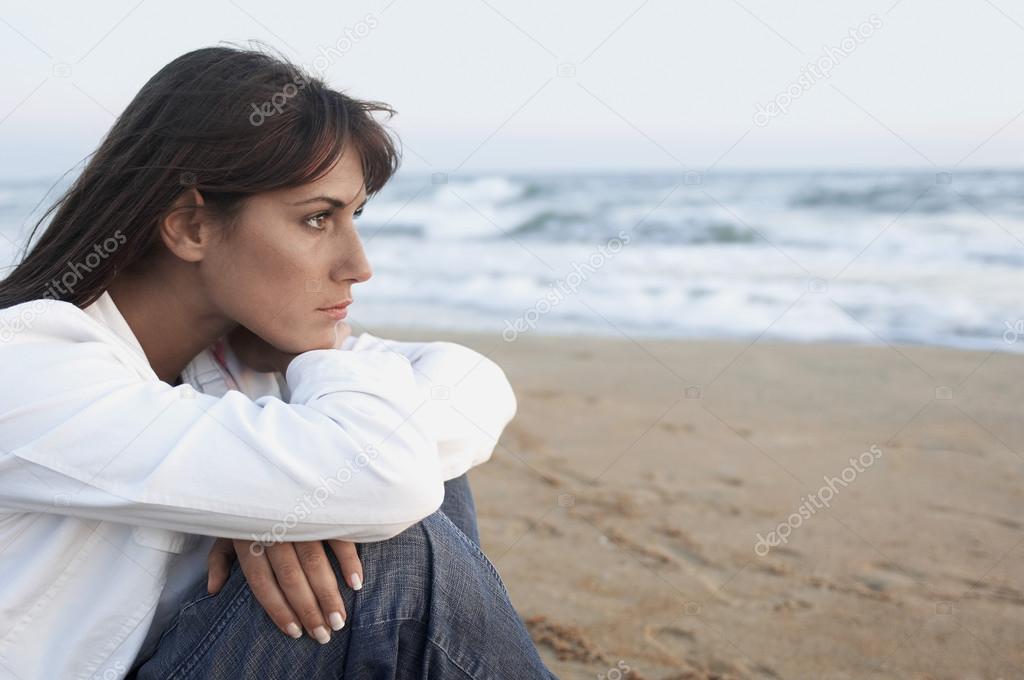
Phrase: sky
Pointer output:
(530, 86)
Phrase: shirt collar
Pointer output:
(201, 369)
(209, 372)
(106, 312)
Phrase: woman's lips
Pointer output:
(335, 312)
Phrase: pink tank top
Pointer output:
(218, 354)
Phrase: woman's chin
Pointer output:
(334, 336)
(326, 336)
(341, 332)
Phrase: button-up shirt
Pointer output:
(114, 484)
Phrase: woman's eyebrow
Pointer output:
(337, 203)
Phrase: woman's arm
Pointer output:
(81, 433)
(468, 400)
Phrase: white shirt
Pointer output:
(113, 483)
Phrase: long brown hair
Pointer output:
(230, 122)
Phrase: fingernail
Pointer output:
(321, 635)
(357, 582)
(336, 621)
(294, 630)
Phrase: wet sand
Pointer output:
(663, 509)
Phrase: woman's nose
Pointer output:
(354, 264)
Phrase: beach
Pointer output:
(732, 509)
(753, 271)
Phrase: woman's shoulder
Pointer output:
(38, 306)
(43, 317)
(55, 340)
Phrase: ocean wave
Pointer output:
(733, 256)
(561, 226)
(927, 194)
(553, 224)
(398, 229)
(877, 198)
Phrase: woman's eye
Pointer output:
(358, 212)
(318, 216)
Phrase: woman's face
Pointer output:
(293, 252)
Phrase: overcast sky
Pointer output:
(483, 85)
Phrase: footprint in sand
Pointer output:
(768, 565)
(792, 604)
(556, 394)
(540, 527)
(787, 552)
(994, 592)
(567, 642)
(884, 577)
(1007, 522)
(678, 647)
(684, 546)
(676, 427)
(655, 556)
(612, 504)
(865, 587)
(648, 554)
(772, 568)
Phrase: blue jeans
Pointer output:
(433, 606)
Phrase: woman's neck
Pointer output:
(169, 321)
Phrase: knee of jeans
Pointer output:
(450, 535)
(430, 561)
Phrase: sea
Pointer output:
(872, 257)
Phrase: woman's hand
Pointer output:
(294, 582)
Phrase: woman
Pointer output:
(184, 394)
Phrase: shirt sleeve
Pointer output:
(467, 398)
(84, 434)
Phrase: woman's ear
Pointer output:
(182, 230)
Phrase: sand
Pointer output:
(624, 503)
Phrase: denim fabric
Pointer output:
(460, 508)
(432, 606)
